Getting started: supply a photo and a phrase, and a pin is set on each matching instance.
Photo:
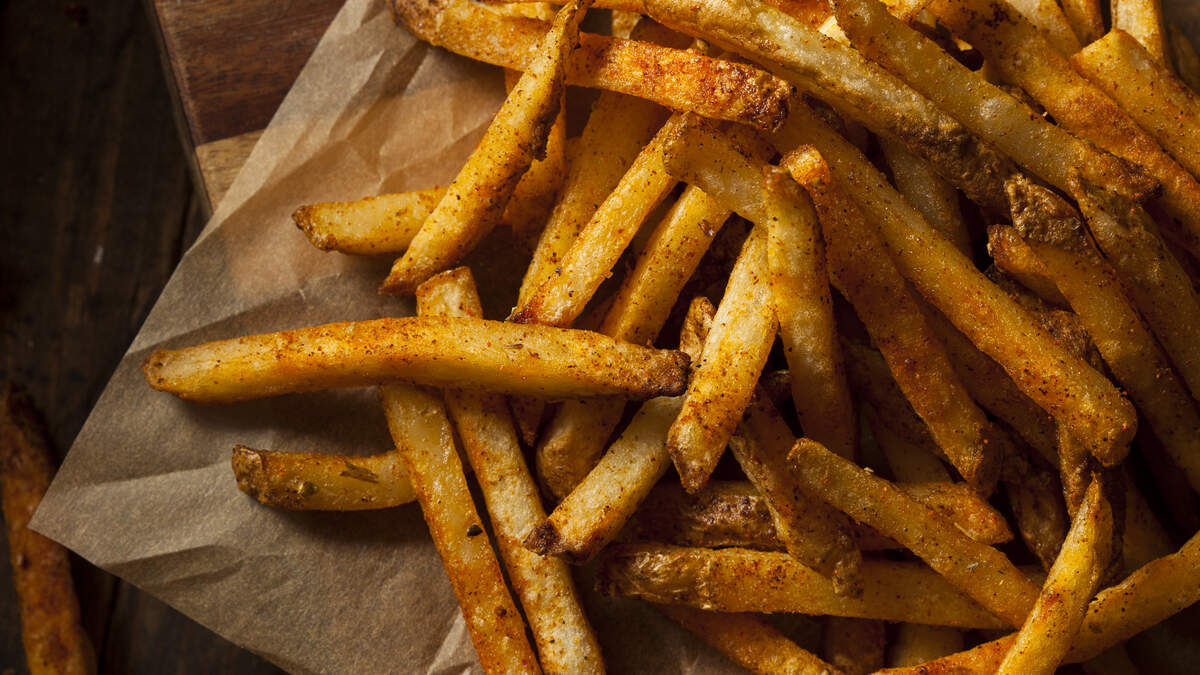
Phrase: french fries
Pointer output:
(739, 580)
(370, 226)
(1050, 18)
(51, 626)
(309, 481)
(710, 87)
(855, 646)
(1184, 57)
(1086, 19)
(465, 353)
(915, 644)
(936, 199)
(537, 190)
(1142, 20)
(517, 136)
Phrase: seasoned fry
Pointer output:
(748, 641)
(51, 628)
(800, 295)
(908, 461)
(1049, 18)
(1184, 57)
(565, 641)
(369, 226)
(1062, 384)
(599, 245)
(537, 190)
(936, 199)
(1052, 625)
(863, 270)
(1024, 57)
(998, 117)
(1137, 79)
(854, 645)
(1036, 497)
(421, 430)
(516, 137)
(465, 353)
(982, 572)
(1086, 19)
(1142, 20)
(739, 580)
(813, 533)
(308, 481)
(673, 78)
(915, 644)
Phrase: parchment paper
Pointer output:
(147, 492)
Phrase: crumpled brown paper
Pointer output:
(147, 491)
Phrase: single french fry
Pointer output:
(579, 431)
(1048, 17)
(982, 572)
(740, 580)
(914, 644)
(862, 268)
(599, 245)
(856, 646)
(564, 638)
(537, 190)
(465, 353)
(1184, 57)
(616, 130)
(936, 199)
(800, 295)
(51, 626)
(1024, 57)
(369, 226)
(476, 198)
(1086, 19)
(1142, 20)
(995, 115)
(812, 532)
(307, 481)
(1036, 497)
(748, 641)
(908, 461)
(1131, 352)
(1050, 628)
(1145, 88)
(1074, 393)
(673, 78)
(421, 431)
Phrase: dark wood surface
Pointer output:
(98, 205)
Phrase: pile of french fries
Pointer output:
(974, 228)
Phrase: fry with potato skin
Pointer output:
(804, 308)
(1052, 625)
(310, 481)
(739, 580)
(517, 136)
(711, 87)
(748, 641)
(982, 572)
(51, 626)
(465, 353)
(565, 641)
(1074, 393)
(369, 226)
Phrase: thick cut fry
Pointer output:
(1075, 394)
(739, 580)
(516, 137)
(936, 199)
(306, 481)
(422, 433)
(839, 75)
(1036, 497)
(537, 190)
(591, 258)
(617, 128)
(859, 264)
(1184, 57)
(1159, 102)
(1086, 19)
(464, 353)
(565, 641)
(748, 641)
(1055, 237)
(723, 382)
(914, 644)
(673, 78)
(813, 533)
(855, 646)
(982, 572)
(998, 117)
(369, 226)
(51, 628)
(1052, 625)
(804, 308)
(1026, 59)
(1142, 20)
